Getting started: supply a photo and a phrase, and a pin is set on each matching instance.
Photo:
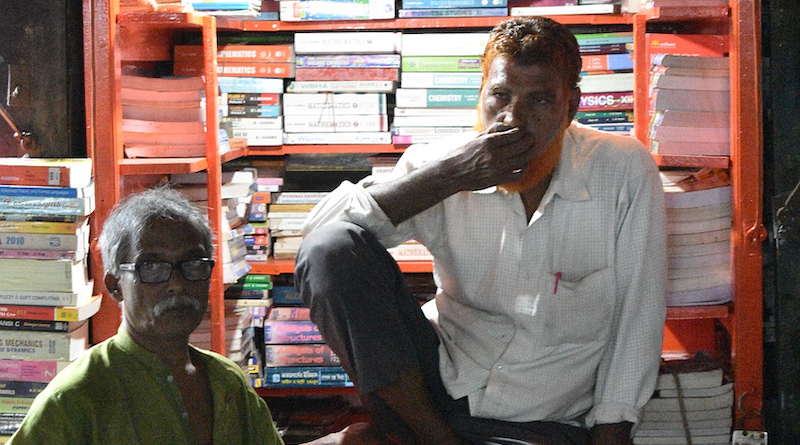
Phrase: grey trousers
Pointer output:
(368, 316)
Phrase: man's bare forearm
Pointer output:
(612, 434)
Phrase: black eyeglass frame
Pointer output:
(131, 267)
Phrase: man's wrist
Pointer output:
(611, 433)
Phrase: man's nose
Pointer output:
(513, 114)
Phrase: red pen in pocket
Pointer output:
(558, 278)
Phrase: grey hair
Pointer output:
(123, 229)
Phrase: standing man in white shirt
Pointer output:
(549, 247)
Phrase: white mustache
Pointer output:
(177, 302)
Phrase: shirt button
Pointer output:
(499, 367)
(170, 378)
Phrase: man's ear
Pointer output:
(574, 102)
(112, 284)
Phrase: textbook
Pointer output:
(57, 313)
(372, 137)
(299, 355)
(76, 241)
(347, 42)
(313, 10)
(444, 44)
(436, 97)
(305, 376)
(342, 86)
(344, 74)
(452, 12)
(446, 4)
(291, 332)
(349, 61)
(334, 104)
(44, 345)
(604, 83)
(564, 10)
(441, 64)
(68, 172)
(46, 298)
(239, 53)
(30, 370)
(338, 124)
(606, 101)
(440, 80)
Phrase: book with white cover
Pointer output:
(713, 295)
(334, 104)
(677, 198)
(701, 213)
(347, 42)
(709, 225)
(444, 44)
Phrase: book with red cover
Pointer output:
(239, 53)
(68, 172)
(237, 69)
(335, 74)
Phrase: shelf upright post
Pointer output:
(104, 139)
(214, 182)
(749, 232)
(641, 79)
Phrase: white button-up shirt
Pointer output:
(556, 318)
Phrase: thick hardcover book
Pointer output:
(314, 10)
(297, 197)
(52, 227)
(73, 242)
(250, 85)
(30, 370)
(339, 124)
(606, 101)
(699, 45)
(23, 274)
(334, 104)
(440, 80)
(444, 4)
(53, 192)
(291, 332)
(44, 345)
(331, 74)
(72, 172)
(444, 44)
(306, 377)
(239, 53)
(380, 137)
(55, 313)
(349, 61)
(437, 97)
(299, 355)
(342, 86)
(440, 64)
(452, 12)
(347, 42)
(286, 313)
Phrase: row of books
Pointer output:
(46, 296)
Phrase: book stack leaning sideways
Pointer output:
(251, 84)
(46, 297)
(698, 236)
(440, 82)
(328, 115)
(294, 353)
(693, 404)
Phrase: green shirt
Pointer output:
(118, 393)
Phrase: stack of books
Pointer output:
(239, 331)
(562, 7)
(693, 400)
(330, 63)
(453, 8)
(609, 87)
(235, 192)
(689, 94)
(45, 293)
(294, 353)
(285, 223)
(164, 117)
(691, 105)
(320, 10)
(228, 8)
(439, 87)
(698, 237)
(252, 107)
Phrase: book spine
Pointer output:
(260, 137)
(42, 227)
(35, 346)
(35, 325)
(604, 38)
(291, 332)
(606, 101)
(250, 85)
(20, 389)
(356, 86)
(51, 192)
(300, 355)
(322, 74)
(30, 370)
(42, 241)
(254, 123)
(336, 104)
(13, 216)
(603, 62)
(434, 121)
(251, 110)
(441, 64)
(286, 295)
(349, 61)
(238, 69)
(452, 12)
(306, 377)
(347, 42)
(239, 53)
(441, 80)
(610, 48)
(381, 137)
(41, 254)
(297, 197)
(15, 405)
(563, 10)
(251, 98)
(442, 131)
(339, 124)
(442, 44)
(606, 83)
(46, 206)
(320, 10)
(439, 4)
(456, 113)
(286, 313)
(35, 175)
(436, 98)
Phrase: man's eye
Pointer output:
(500, 95)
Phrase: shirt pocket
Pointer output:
(578, 312)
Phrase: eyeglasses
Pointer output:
(197, 269)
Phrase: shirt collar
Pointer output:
(568, 182)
